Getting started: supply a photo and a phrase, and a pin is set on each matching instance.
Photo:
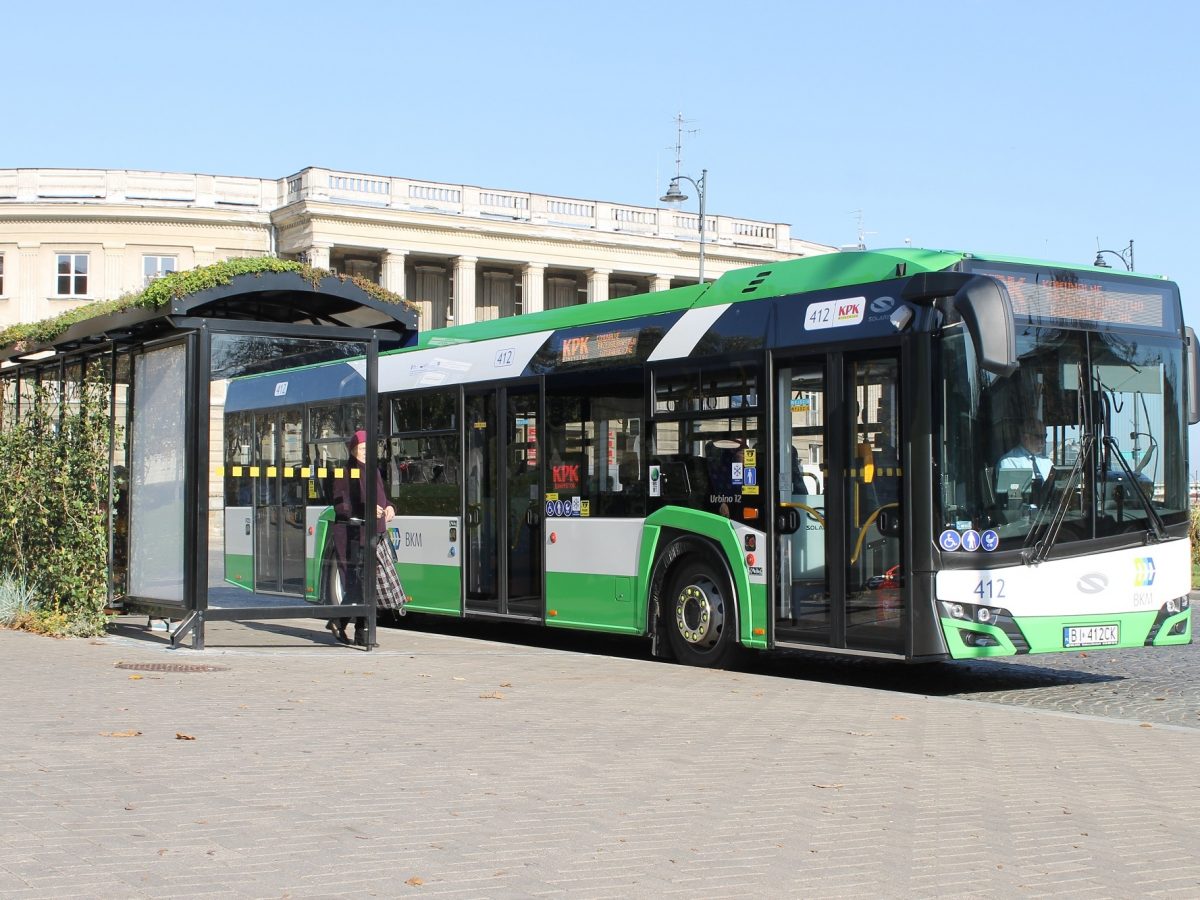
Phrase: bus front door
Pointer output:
(804, 608)
(874, 487)
(279, 501)
(503, 565)
(839, 544)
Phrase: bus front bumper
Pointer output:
(974, 632)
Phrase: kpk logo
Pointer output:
(835, 313)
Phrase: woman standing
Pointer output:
(351, 503)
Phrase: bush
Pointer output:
(18, 605)
(53, 498)
(1194, 536)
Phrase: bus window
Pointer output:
(421, 460)
(706, 441)
(594, 444)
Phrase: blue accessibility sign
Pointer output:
(949, 540)
(990, 540)
(970, 540)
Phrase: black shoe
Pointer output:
(338, 630)
(360, 637)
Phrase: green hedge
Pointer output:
(53, 500)
(170, 287)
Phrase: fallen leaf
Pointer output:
(900, 718)
(458, 678)
(135, 677)
(180, 736)
(1145, 725)
(415, 881)
(506, 684)
(836, 787)
(130, 733)
(162, 852)
(494, 695)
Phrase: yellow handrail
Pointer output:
(862, 532)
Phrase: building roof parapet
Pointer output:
(233, 193)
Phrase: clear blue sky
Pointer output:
(1026, 128)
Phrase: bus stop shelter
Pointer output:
(174, 451)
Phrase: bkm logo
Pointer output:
(1143, 571)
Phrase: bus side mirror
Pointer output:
(1193, 376)
(986, 309)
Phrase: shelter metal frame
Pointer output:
(271, 305)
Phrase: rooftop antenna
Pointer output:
(862, 233)
(680, 121)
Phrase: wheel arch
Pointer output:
(675, 544)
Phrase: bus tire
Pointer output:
(699, 613)
(333, 584)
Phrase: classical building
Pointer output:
(464, 253)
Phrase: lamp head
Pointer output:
(673, 194)
(1100, 263)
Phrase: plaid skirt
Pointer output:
(389, 592)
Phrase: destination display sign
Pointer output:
(1071, 295)
(616, 343)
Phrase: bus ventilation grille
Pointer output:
(755, 282)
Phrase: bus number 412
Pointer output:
(987, 589)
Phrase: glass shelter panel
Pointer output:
(283, 412)
(157, 466)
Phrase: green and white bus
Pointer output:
(805, 454)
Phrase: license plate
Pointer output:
(1091, 635)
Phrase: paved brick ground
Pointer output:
(444, 765)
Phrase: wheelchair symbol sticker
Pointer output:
(949, 540)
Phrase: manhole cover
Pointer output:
(171, 667)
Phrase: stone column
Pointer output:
(533, 287)
(393, 271)
(114, 257)
(30, 291)
(660, 283)
(318, 256)
(598, 285)
(464, 290)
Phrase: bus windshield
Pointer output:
(1088, 432)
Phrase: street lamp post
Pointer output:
(1125, 256)
(674, 195)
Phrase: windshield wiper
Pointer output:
(1031, 556)
(1156, 522)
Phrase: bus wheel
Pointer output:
(333, 585)
(699, 614)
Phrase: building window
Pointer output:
(157, 266)
(72, 275)
(1, 274)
